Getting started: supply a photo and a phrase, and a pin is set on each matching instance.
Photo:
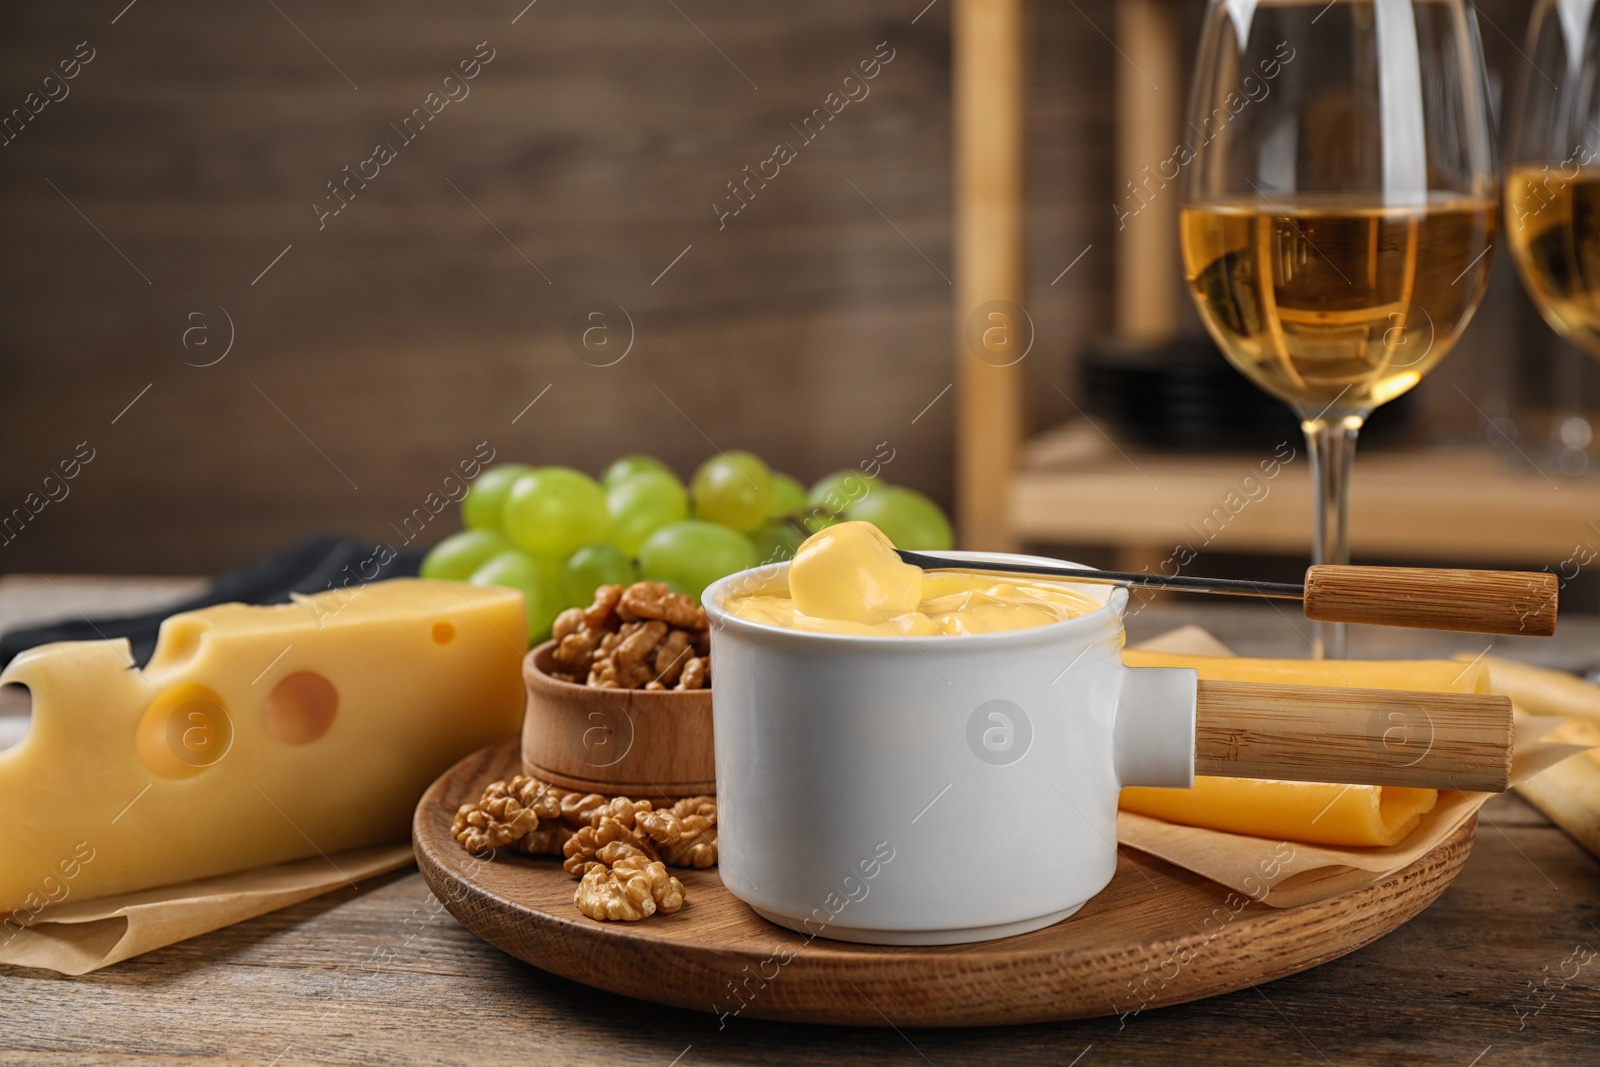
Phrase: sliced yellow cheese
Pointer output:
(1300, 811)
(1543, 691)
(1358, 815)
(256, 735)
(1569, 793)
(1416, 675)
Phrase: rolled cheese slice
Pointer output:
(1351, 815)
(1543, 691)
(256, 735)
(1317, 812)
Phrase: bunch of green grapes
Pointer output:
(556, 535)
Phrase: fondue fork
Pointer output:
(1469, 601)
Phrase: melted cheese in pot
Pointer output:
(847, 579)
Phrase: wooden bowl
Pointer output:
(648, 744)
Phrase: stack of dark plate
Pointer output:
(1185, 396)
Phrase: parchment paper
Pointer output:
(76, 937)
(1286, 874)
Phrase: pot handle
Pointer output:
(1307, 733)
(1153, 736)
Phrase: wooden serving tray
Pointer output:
(1157, 935)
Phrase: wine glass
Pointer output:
(1338, 211)
(1553, 176)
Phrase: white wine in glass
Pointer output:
(1339, 210)
(1553, 174)
(1554, 227)
(1328, 303)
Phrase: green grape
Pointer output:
(554, 511)
(906, 517)
(775, 541)
(788, 497)
(482, 508)
(457, 556)
(837, 491)
(832, 494)
(627, 466)
(591, 567)
(641, 505)
(538, 580)
(733, 489)
(819, 519)
(690, 555)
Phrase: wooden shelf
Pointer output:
(1466, 505)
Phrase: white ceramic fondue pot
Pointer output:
(932, 790)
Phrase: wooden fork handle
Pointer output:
(1307, 733)
(1479, 602)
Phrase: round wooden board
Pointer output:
(1143, 932)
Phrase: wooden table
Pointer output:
(376, 975)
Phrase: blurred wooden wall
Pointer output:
(380, 349)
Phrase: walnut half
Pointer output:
(613, 821)
(508, 813)
(631, 888)
(685, 834)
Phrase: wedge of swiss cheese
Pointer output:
(256, 735)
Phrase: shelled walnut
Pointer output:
(641, 637)
(611, 823)
(619, 848)
(685, 834)
(627, 884)
(523, 813)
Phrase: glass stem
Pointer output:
(1331, 442)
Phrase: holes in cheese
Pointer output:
(183, 731)
(16, 714)
(301, 708)
(443, 633)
